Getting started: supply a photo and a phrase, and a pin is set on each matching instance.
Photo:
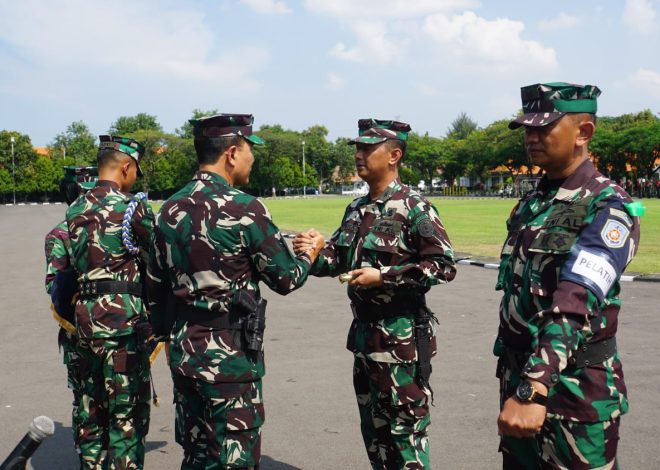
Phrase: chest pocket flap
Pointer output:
(385, 236)
(560, 229)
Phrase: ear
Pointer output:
(586, 131)
(125, 168)
(395, 155)
(230, 154)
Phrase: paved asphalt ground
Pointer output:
(312, 420)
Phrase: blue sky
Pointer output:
(306, 62)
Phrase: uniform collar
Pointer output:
(107, 184)
(572, 186)
(393, 187)
(209, 176)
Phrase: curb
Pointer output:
(624, 278)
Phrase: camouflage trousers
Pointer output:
(561, 444)
(218, 424)
(70, 358)
(114, 408)
(565, 445)
(394, 414)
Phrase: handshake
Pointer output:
(310, 242)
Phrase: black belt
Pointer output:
(397, 308)
(211, 319)
(593, 353)
(588, 354)
(110, 287)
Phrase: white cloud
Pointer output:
(648, 80)
(639, 16)
(497, 42)
(377, 25)
(378, 9)
(336, 82)
(373, 44)
(131, 39)
(427, 90)
(563, 21)
(267, 7)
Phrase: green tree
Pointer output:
(461, 127)
(24, 156)
(46, 176)
(126, 125)
(423, 157)
(76, 143)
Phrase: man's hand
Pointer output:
(366, 277)
(310, 242)
(521, 420)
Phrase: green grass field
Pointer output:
(476, 227)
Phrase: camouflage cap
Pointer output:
(130, 147)
(85, 176)
(544, 103)
(375, 131)
(224, 125)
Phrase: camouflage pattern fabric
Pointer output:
(561, 444)
(375, 131)
(114, 371)
(98, 254)
(218, 425)
(57, 259)
(567, 246)
(544, 103)
(114, 412)
(401, 234)
(210, 241)
(394, 414)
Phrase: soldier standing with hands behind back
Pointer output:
(392, 247)
(213, 244)
(561, 383)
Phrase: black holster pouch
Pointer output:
(253, 310)
(163, 324)
(423, 334)
(143, 332)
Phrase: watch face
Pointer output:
(524, 391)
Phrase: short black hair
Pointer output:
(209, 149)
(106, 157)
(397, 144)
(577, 117)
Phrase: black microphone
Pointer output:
(40, 428)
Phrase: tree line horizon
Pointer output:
(623, 147)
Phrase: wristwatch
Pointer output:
(526, 393)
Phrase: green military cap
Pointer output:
(84, 176)
(225, 125)
(544, 103)
(375, 131)
(130, 147)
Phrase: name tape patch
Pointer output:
(596, 269)
(614, 233)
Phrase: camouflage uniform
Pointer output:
(401, 234)
(568, 243)
(57, 264)
(210, 242)
(114, 364)
(57, 259)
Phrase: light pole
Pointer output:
(304, 177)
(13, 173)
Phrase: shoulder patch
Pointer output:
(614, 233)
(425, 228)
